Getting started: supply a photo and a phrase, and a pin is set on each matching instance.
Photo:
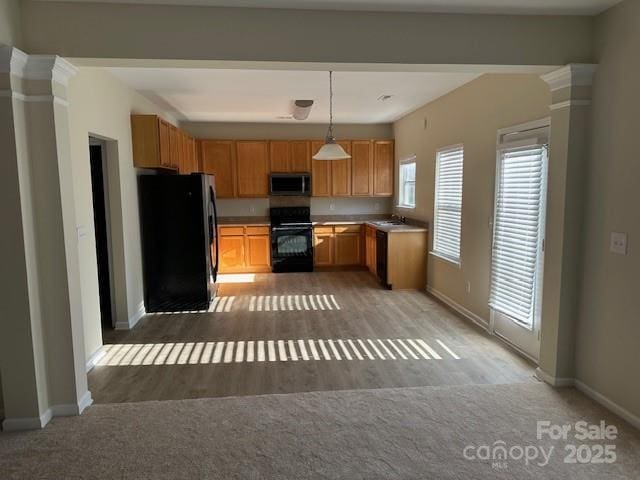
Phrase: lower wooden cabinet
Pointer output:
(232, 253)
(337, 245)
(348, 245)
(370, 249)
(244, 249)
(323, 246)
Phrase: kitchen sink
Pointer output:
(388, 222)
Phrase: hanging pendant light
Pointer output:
(331, 150)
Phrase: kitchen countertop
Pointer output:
(252, 221)
(346, 219)
(320, 220)
(405, 228)
(410, 227)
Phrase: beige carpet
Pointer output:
(410, 433)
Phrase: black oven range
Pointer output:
(291, 239)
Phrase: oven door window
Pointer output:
(295, 244)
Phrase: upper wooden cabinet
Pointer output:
(242, 167)
(320, 173)
(288, 156)
(383, 166)
(174, 146)
(252, 168)
(158, 144)
(188, 159)
(152, 142)
(218, 157)
(362, 168)
(279, 157)
(300, 156)
(341, 173)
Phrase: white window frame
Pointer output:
(402, 203)
(456, 261)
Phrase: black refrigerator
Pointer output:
(179, 241)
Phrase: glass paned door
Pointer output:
(518, 245)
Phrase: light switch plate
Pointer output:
(618, 243)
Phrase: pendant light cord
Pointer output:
(330, 104)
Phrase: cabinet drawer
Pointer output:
(258, 230)
(324, 229)
(347, 228)
(226, 231)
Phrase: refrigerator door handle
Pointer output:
(213, 229)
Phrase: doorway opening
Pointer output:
(99, 190)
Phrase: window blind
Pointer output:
(448, 203)
(518, 231)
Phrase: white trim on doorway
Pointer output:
(95, 358)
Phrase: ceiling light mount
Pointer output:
(301, 109)
(331, 150)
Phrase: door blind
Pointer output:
(518, 231)
(448, 203)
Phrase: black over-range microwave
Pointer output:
(290, 184)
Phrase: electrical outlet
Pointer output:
(618, 243)
(467, 287)
(252, 209)
(376, 207)
(332, 206)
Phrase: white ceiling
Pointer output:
(231, 95)
(524, 7)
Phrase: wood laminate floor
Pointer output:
(300, 332)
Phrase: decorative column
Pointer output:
(41, 335)
(570, 121)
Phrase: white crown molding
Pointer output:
(12, 60)
(35, 67)
(34, 98)
(572, 75)
(49, 67)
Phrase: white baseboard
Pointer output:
(553, 381)
(133, 320)
(72, 409)
(468, 314)
(35, 423)
(27, 423)
(85, 402)
(95, 358)
(608, 403)
(596, 396)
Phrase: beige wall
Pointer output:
(100, 105)
(172, 32)
(10, 28)
(285, 131)
(470, 115)
(608, 345)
